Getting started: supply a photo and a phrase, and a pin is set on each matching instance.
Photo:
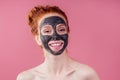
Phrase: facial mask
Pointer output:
(53, 21)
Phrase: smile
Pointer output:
(56, 45)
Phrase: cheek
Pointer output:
(65, 37)
(45, 39)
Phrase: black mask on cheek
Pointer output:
(53, 21)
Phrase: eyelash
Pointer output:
(46, 31)
(61, 30)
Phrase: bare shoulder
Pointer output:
(25, 75)
(30, 74)
(87, 72)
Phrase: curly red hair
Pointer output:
(38, 12)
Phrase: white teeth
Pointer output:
(55, 44)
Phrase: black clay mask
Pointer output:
(54, 41)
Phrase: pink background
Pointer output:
(94, 36)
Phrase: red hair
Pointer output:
(38, 12)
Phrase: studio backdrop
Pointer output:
(94, 36)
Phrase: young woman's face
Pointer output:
(54, 34)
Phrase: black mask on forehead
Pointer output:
(53, 21)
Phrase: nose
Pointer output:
(54, 37)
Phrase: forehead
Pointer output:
(52, 20)
(54, 16)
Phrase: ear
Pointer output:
(38, 40)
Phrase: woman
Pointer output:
(49, 25)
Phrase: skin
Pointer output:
(60, 67)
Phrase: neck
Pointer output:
(56, 63)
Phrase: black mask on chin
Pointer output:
(53, 21)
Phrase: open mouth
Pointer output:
(56, 45)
